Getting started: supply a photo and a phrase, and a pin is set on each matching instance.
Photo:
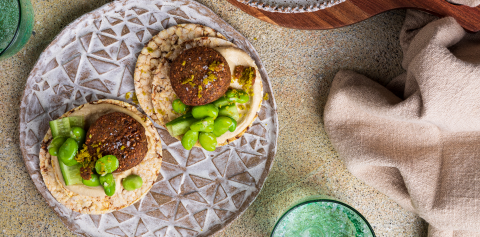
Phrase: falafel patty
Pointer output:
(120, 135)
(200, 75)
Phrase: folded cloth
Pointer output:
(418, 139)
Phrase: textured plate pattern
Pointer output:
(197, 192)
(291, 6)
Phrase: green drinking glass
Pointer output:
(321, 216)
(16, 24)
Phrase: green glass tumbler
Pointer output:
(322, 216)
(16, 24)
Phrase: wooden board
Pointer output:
(353, 11)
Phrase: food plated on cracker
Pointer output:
(100, 157)
(202, 88)
(105, 155)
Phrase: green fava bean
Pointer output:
(238, 96)
(110, 190)
(108, 183)
(189, 139)
(132, 182)
(53, 151)
(203, 125)
(78, 134)
(202, 111)
(106, 180)
(209, 128)
(242, 97)
(233, 126)
(55, 145)
(222, 102)
(57, 142)
(106, 164)
(179, 106)
(221, 125)
(93, 181)
(231, 93)
(68, 151)
(208, 141)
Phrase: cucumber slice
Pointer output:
(181, 118)
(181, 127)
(169, 129)
(71, 174)
(60, 127)
(77, 121)
(229, 110)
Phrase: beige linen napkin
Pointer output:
(418, 140)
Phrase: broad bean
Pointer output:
(208, 141)
(132, 182)
(106, 164)
(79, 135)
(238, 96)
(204, 125)
(56, 143)
(179, 106)
(108, 183)
(233, 126)
(68, 151)
(202, 111)
(93, 181)
(221, 125)
(189, 139)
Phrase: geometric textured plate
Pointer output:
(198, 192)
(291, 6)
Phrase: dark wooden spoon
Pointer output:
(353, 11)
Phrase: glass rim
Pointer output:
(322, 200)
(17, 30)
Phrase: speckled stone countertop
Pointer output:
(301, 66)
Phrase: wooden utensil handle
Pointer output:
(353, 11)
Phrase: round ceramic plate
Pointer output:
(291, 6)
(197, 193)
